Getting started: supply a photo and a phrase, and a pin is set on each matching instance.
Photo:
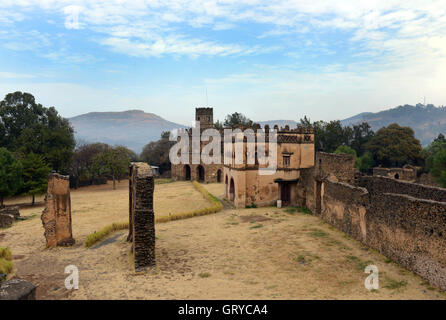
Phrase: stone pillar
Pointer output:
(56, 218)
(142, 216)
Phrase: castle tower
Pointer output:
(205, 116)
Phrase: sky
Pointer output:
(270, 60)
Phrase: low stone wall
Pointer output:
(411, 232)
(379, 185)
(344, 206)
(8, 215)
(141, 215)
(408, 230)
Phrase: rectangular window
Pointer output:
(286, 161)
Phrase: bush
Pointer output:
(6, 264)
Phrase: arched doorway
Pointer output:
(226, 187)
(200, 173)
(232, 190)
(187, 172)
(397, 176)
(218, 175)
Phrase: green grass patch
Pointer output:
(104, 232)
(253, 205)
(256, 226)
(316, 233)
(6, 264)
(216, 207)
(163, 180)
(359, 264)
(394, 284)
(298, 209)
(204, 275)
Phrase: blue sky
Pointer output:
(268, 59)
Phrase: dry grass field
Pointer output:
(264, 253)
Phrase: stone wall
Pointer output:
(141, 215)
(377, 185)
(339, 167)
(56, 218)
(344, 206)
(405, 221)
(411, 232)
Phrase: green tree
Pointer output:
(26, 126)
(432, 149)
(345, 150)
(10, 174)
(361, 135)
(395, 146)
(113, 162)
(35, 175)
(157, 152)
(439, 167)
(236, 120)
(365, 162)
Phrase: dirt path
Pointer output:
(264, 253)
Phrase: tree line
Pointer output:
(35, 140)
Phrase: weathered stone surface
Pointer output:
(17, 289)
(6, 220)
(56, 218)
(141, 215)
(12, 211)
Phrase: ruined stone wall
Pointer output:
(141, 215)
(378, 185)
(427, 179)
(178, 172)
(56, 218)
(344, 206)
(406, 174)
(411, 232)
(339, 167)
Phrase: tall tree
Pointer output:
(35, 175)
(395, 146)
(26, 126)
(113, 162)
(236, 120)
(10, 174)
(83, 164)
(432, 149)
(157, 152)
(361, 135)
(439, 167)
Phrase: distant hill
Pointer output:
(427, 121)
(133, 128)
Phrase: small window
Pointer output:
(198, 118)
(286, 161)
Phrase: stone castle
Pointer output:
(403, 220)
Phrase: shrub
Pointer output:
(6, 264)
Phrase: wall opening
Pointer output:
(318, 196)
(200, 173)
(285, 194)
(232, 190)
(187, 172)
(397, 176)
(219, 176)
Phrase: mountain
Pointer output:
(427, 121)
(133, 128)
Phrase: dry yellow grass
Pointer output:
(263, 253)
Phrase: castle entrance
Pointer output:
(285, 194)
(187, 172)
(200, 173)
